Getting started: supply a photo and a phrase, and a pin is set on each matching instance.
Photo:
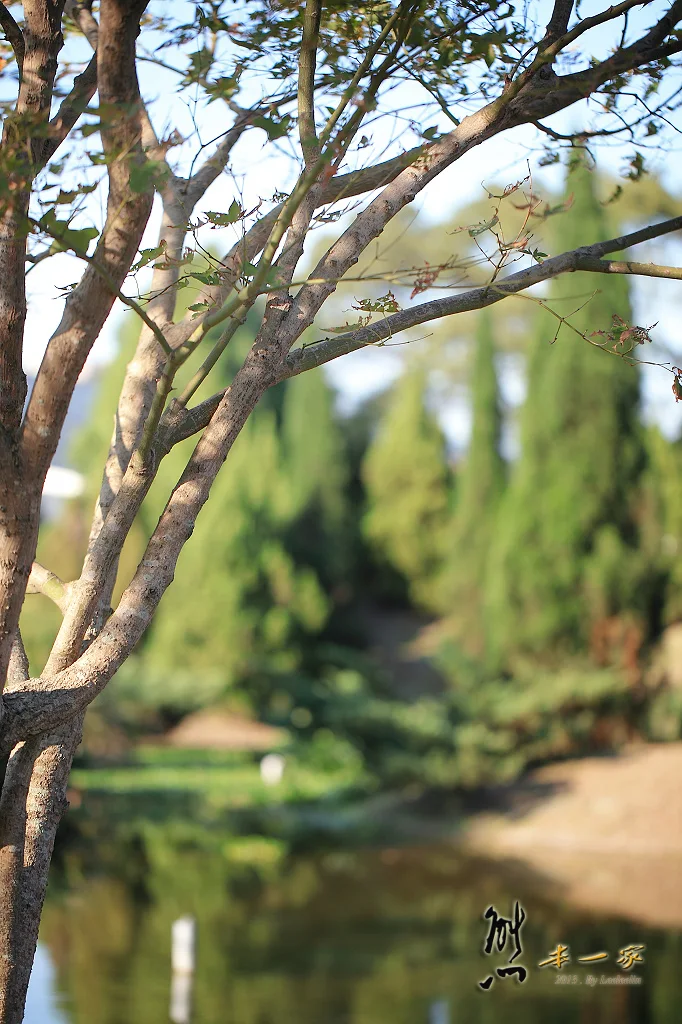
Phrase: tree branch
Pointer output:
(22, 140)
(89, 304)
(516, 106)
(42, 581)
(340, 187)
(542, 98)
(65, 691)
(13, 35)
(558, 23)
(149, 375)
(596, 266)
(18, 669)
(194, 188)
(307, 60)
(82, 15)
(181, 426)
(71, 108)
(586, 258)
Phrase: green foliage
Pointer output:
(582, 457)
(222, 781)
(664, 716)
(663, 520)
(408, 486)
(260, 610)
(241, 603)
(480, 484)
(514, 723)
(315, 464)
(504, 725)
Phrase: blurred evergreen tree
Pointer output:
(409, 489)
(239, 598)
(480, 484)
(316, 466)
(269, 562)
(662, 516)
(565, 560)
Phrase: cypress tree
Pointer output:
(663, 522)
(408, 485)
(255, 591)
(480, 484)
(240, 603)
(317, 472)
(566, 535)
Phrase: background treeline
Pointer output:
(542, 586)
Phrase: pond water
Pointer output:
(323, 935)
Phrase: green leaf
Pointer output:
(222, 89)
(275, 129)
(148, 255)
(147, 175)
(80, 239)
(197, 308)
(221, 220)
(205, 277)
(345, 329)
(68, 197)
(65, 237)
(478, 229)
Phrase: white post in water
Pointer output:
(183, 955)
(439, 1012)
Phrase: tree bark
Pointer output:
(32, 804)
(34, 789)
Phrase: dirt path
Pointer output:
(608, 830)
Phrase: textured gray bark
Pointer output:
(32, 804)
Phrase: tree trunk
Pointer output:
(33, 801)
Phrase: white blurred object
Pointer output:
(63, 483)
(272, 769)
(181, 998)
(183, 956)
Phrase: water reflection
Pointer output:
(333, 937)
(42, 1002)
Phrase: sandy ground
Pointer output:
(606, 830)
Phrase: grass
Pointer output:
(222, 779)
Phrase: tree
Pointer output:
(662, 521)
(408, 488)
(81, 169)
(480, 484)
(565, 557)
(264, 564)
(316, 468)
